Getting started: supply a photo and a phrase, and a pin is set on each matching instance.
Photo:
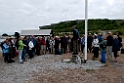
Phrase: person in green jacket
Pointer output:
(103, 45)
(20, 49)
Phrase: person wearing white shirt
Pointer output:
(95, 46)
(31, 46)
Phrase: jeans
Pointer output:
(6, 57)
(103, 57)
(20, 56)
(109, 52)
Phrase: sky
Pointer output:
(17, 15)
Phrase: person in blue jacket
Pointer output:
(6, 51)
(115, 47)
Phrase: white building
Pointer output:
(42, 32)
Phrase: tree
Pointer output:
(93, 24)
(4, 34)
(17, 35)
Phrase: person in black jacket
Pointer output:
(89, 42)
(25, 41)
(109, 45)
(57, 41)
(63, 44)
(120, 42)
(38, 46)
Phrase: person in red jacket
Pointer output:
(43, 45)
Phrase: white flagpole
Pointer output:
(86, 22)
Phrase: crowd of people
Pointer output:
(27, 47)
(109, 45)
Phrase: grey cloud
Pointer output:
(29, 14)
(103, 9)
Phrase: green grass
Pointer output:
(90, 70)
(106, 65)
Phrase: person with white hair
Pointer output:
(115, 47)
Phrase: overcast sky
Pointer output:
(17, 15)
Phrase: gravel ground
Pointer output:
(20, 73)
(51, 69)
